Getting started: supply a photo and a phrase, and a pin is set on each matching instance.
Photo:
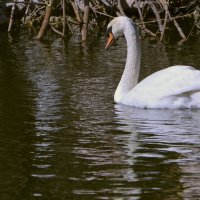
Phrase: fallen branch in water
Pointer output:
(11, 17)
(45, 21)
(64, 17)
(85, 20)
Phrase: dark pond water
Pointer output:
(63, 138)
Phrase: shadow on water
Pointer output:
(61, 136)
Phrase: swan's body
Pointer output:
(173, 87)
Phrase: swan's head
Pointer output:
(116, 28)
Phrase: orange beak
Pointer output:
(109, 41)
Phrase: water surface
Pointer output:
(62, 136)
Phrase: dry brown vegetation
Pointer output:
(64, 17)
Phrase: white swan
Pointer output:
(173, 87)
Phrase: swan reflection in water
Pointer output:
(163, 146)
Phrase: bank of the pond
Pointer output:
(65, 17)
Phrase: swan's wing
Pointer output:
(171, 81)
(176, 80)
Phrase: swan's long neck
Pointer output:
(130, 75)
